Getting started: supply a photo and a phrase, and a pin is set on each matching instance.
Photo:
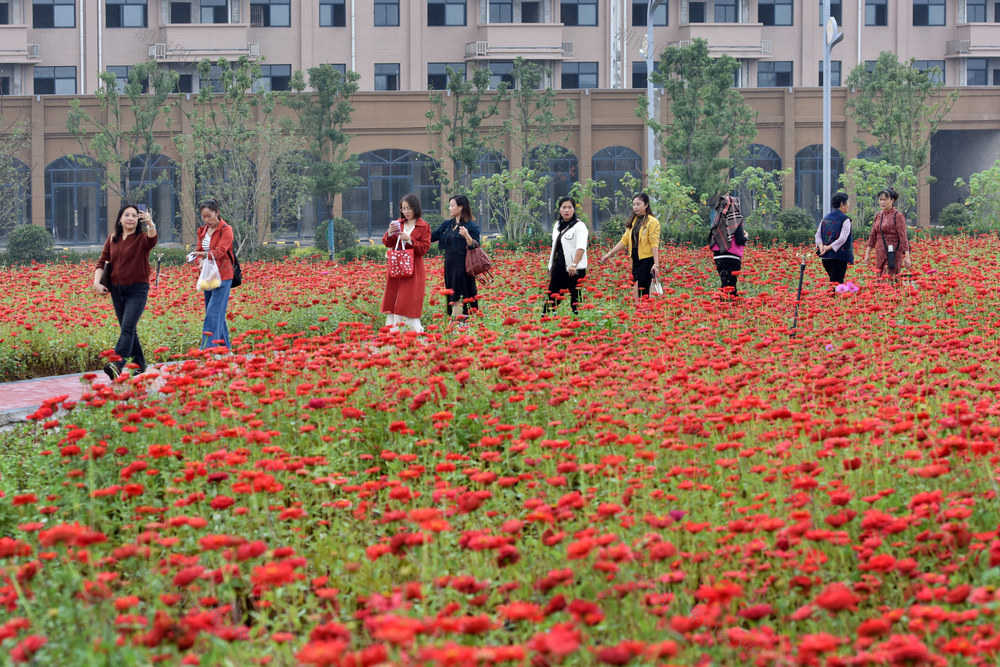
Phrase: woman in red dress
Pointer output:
(403, 301)
(888, 233)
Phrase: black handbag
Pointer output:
(890, 253)
(106, 276)
(237, 270)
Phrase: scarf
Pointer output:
(727, 222)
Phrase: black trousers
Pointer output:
(725, 266)
(129, 302)
(561, 282)
(836, 269)
(642, 273)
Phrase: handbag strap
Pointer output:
(881, 232)
(399, 239)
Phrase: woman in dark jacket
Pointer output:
(128, 251)
(834, 242)
(455, 236)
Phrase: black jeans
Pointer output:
(129, 302)
(725, 266)
(560, 280)
(836, 269)
(642, 274)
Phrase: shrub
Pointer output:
(168, 256)
(955, 215)
(29, 243)
(272, 252)
(794, 218)
(345, 235)
(613, 228)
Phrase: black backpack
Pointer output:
(237, 271)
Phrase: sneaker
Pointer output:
(111, 371)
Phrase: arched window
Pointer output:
(154, 180)
(758, 155)
(237, 176)
(76, 207)
(872, 153)
(387, 175)
(809, 178)
(295, 210)
(563, 170)
(15, 195)
(490, 163)
(610, 165)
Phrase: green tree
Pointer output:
(760, 195)
(864, 179)
(671, 199)
(324, 113)
(709, 116)
(518, 215)
(125, 127)
(15, 137)
(533, 118)
(983, 195)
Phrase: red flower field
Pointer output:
(682, 483)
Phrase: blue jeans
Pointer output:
(129, 302)
(215, 327)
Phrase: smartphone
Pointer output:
(142, 208)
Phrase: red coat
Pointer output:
(219, 245)
(405, 296)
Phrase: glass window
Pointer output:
(934, 69)
(975, 72)
(578, 12)
(928, 12)
(157, 180)
(332, 13)
(340, 67)
(562, 168)
(386, 13)
(725, 11)
(270, 14)
(579, 75)
(876, 12)
(126, 14)
(180, 12)
(4, 13)
(75, 202)
(437, 74)
(15, 195)
(501, 11)
(836, 11)
(386, 176)
(501, 70)
(55, 80)
(386, 76)
(53, 14)
(610, 165)
(214, 11)
(834, 72)
(774, 12)
(696, 12)
(774, 74)
(640, 8)
(121, 73)
(975, 11)
(445, 12)
(531, 12)
(639, 73)
(273, 77)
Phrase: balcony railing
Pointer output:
(192, 42)
(978, 40)
(740, 40)
(506, 41)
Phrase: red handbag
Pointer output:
(400, 261)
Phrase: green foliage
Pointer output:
(900, 106)
(709, 116)
(15, 139)
(760, 195)
(671, 200)
(522, 215)
(614, 227)
(534, 121)
(345, 235)
(983, 195)
(794, 218)
(589, 189)
(270, 252)
(168, 256)
(863, 179)
(955, 215)
(363, 253)
(29, 243)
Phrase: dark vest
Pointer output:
(829, 232)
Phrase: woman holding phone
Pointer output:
(127, 250)
(403, 301)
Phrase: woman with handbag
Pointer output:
(215, 238)
(568, 257)
(403, 301)
(456, 236)
(888, 236)
(726, 240)
(128, 251)
(642, 239)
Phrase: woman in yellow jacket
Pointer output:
(642, 239)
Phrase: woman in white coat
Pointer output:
(568, 258)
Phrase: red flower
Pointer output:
(837, 597)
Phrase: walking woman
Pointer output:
(834, 242)
(568, 257)
(888, 236)
(403, 301)
(642, 239)
(726, 241)
(128, 251)
(215, 238)
(456, 236)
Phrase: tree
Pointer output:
(983, 194)
(864, 179)
(124, 128)
(533, 118)
(323, 115)
(519, 215)
(236, 153)
(15, 137)
(760, 195)
(709, 116)
(900, 106)
(672, 201)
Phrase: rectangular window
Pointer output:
(270, 14)
(774, 74)
(332, 13)
(437, 74)
(214, 11)
(774, 12)
(934, 68)
(975, 72)
(180, 12)
(578, 12)
(531, 12)
(836, 11)
(4, 83)
(876, 12)
(928, 12)
(386, 76)
(5, 16)
(639, 73)
(126, 14)
(339, 67)
(53, 14)
(386, 13)
(975, 11)
(834, 72)
(446, 12)
(55, 80)
(696, 12)
(121, 73)
(579, 75)
(725, 11)
(273, 77)
(501, 11)
(185, 83)
(501, 71)
(640, 9)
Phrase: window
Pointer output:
(578, 12)
(930, 66)
(834, 72)
(501, 71)
(836, 11)
(185, 83)
(339, 67)
(53, 14)
(121, 73)
(386, 13)
(531, 12)
(639, 73)
(126, 14)
(437, 74)
(640, 9)
(55, 80)
(75, 203)
(975, 72)
(501, 11)
(725, 11)
(809, 178)
(445, 12)
(386, 76)
(332, 13)
(180, 12)
(270, 14)
(386, 176)
(4, 85)
(610, 165)
(273, 77)
(579, 75)
(696, 12)
(869, 66)
(214, 11)
(928, 12)
(876, 12)
(4, 13)
(774, 12)
(975, 11)
(775, 74)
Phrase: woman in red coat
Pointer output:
(403, 301)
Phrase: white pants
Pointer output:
(394, 321)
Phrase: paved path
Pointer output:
(19, 399)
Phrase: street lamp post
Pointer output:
(831, 35)
(650, 56)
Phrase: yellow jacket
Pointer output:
(649, 238)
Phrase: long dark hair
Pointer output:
(463, 203)
(119, 230)
(559, 218)
(645, 200)
(211, 205)
(414, 203)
